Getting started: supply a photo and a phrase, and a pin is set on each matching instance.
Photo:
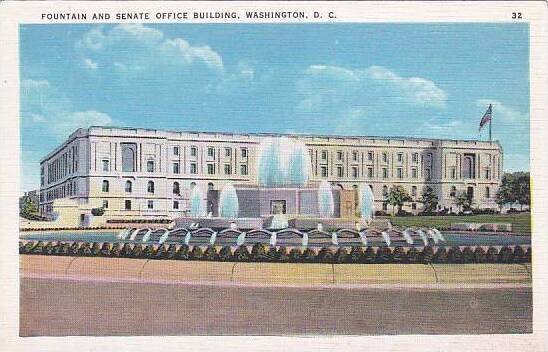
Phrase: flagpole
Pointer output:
(490, 123)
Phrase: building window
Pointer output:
(415, 157)
(384, 206)
(414, 191)
(127, 204)
(176, 188)
(453, 173)
(150, 166)
(193, 151)
(384, 172)
(105, 186)
(176, 168)
(399, 172)
(129, 151)
(210, 152)
(128, 186)
(339, 155)
(370, 172)
(228, 151)
(385, 190)
(243, 170)
(244, 152)
(414, 206)
(193, 168)
(210, 186)
(384, 157)
(400, 157)
(355, 156)
(105, 204)
(488, 174)
(106, 165)
(175, 204)
(228, 169)
(370, 156)
(427, 174)
(453, 192)
(323, 171)
(340, 171)
(175, 150)
(210, 169)
(150, 204)
(487, 192)
(414, 172)
(150, 187)
(324, 154)
(355, 172)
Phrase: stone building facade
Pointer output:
(140, 172)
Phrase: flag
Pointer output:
(486, 117)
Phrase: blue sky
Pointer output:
(424, 80)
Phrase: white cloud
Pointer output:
(502, 111)
(136, 46)
(67, 123)
(414, 90)
(89, 63)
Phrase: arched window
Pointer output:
(414, 191)
(176, 189)
(487, 192)
(128, 186)
(192, 185)
(105, 186)
(453, 192)
(129, 150)
(150, 187)
(468, 167)
(210, 186)
(385, 190)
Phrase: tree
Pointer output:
(28, 208)
(429, 199)
(463, 201)
(397, 197)
(514, 188)
(523, 189)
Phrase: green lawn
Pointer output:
(521, 222)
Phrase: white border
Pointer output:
(535, 13)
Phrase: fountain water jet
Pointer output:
(197, 203)
(283, 162)
(423, 237)
(367, 202)
(228, 202)
(386, 238)
(407, 236)
(326, 205)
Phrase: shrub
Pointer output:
(505, 255)
(325, 255)
(85, 249)
(384, 255)
(183, 253)
(413, 256)
(74, 249)
(127, 251)
(210, 253)
(272, 254)
(28, 247)
(356, 255)
(528, 255)
(171, 251)
(115, 250)
(97, 211)
(369, 255)
(294, 255)
(441, 256)
(309, 256)
(399, 255)
(148, 252)
(95, 249)
(37, 249)
(479, 255)
(427, 255)
(282, 255)
(492, 255)
(161, 252)
(241, 254)
(137, 251)
(454, 255)
(404, 213)
(341, 256)
(48, 248)
(519, 255)
(468, 255)
(21, 246)
(106, 250)
(258, 252)
(225, 254)
(196, 253)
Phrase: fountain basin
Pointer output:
(220, 223)
(327, 223)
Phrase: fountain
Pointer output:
(367, 202)
(407, 236)
(423, 237)
(283, 162)
(228, 202)
(386, 238)
(326, 205)
(197, 204)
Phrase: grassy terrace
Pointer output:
(521, 222)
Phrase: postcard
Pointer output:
(245, 175)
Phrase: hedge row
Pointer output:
(263, 253)
(46, 229)
(139, 221)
